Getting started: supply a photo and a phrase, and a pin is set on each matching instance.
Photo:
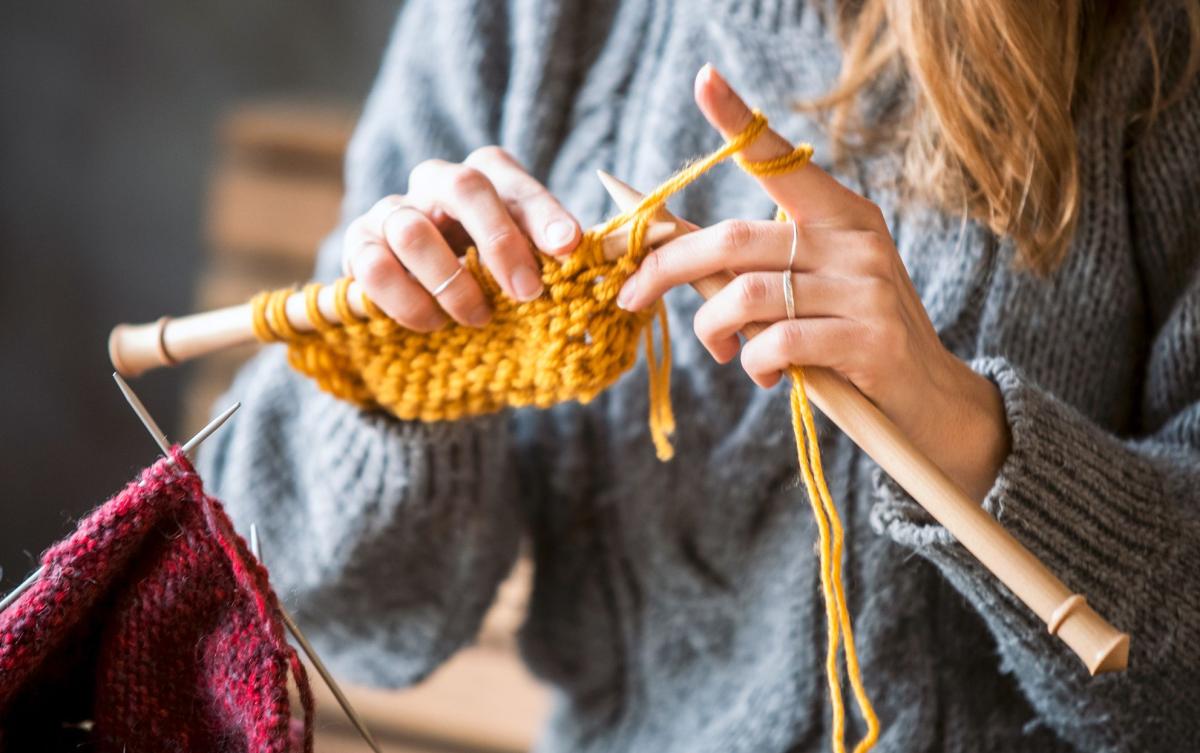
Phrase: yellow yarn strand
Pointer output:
(830, 540)
(571, 343)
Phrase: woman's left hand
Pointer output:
(856, 310)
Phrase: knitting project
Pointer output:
(151, 629)
(569, 344)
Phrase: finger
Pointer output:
(747, 246)
(736, 246)
(466, 194)
(364, 229)
(534, 208)
(799, 342)
(420, 247)
(809, 194)
(391, 288)
(760, 297)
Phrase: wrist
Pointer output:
(979, 436)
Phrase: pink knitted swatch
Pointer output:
(155, 624)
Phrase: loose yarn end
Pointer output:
(569, 344)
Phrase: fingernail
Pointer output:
(625, 297)
(559, 234)
(526, 284)
(479, 316)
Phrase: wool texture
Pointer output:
(569, 343)
(676, 607)
(152, 628)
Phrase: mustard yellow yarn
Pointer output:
(569, 344)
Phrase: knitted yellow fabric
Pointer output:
(569, 344)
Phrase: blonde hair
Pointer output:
(987, 128)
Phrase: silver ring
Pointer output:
(446, 283)
(789, 294)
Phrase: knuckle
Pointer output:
(874, 215)
(654, 266)
(752, 289)
(354, 232)
(407, 229)
(387, 202)
(734, 234)
(422, 172)
(504, 238)
(533, 195)
(878, 247)
(467, 182)
(490, 154)
(373, 268)
(790, 340)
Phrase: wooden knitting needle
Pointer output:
(137, 348)
(311, 653)
(1102, 647)
(159, 438)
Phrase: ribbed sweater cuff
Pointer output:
(1072, 494)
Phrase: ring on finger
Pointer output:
(441, 288)
(789, 296)
(789, 293)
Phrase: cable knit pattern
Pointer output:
(153, 623)
(676, 607)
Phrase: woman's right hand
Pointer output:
(407, 247)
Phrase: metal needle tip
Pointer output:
(147, 420)
(25, 586)
(315, 660)
(207, 431)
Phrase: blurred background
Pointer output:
(159, 158)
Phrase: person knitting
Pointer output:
(997, 242)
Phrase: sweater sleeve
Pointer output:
(386, 538)
(1117, 518)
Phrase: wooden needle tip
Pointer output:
(621, 192)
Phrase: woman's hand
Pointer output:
(856, 310)
(405, 251)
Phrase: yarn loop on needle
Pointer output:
(571, 343)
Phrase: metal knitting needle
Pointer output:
(208, 429)
(161, 439)
(147, 420)
(311, 653)
(25, 586)
(157, 433)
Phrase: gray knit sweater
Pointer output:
(676, 605)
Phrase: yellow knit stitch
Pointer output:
(569, 344)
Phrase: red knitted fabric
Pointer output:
(152, 628)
